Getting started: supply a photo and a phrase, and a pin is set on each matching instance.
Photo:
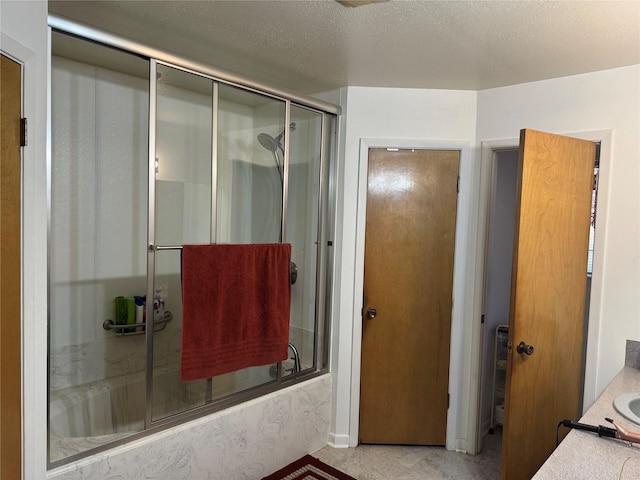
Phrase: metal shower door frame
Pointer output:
(326, 218)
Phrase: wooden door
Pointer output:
(409, 245)
(10, 336)
(555, 180)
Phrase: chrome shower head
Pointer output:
(268, 142)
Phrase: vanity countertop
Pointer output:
(585, 455)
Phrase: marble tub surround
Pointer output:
(110, 356)
(91, 415)
(114, 355)
(98, 392)
(62, 447)
(303, 340)
(247, 441)
(585, 455)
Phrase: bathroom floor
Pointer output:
(391, 462)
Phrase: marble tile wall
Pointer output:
(87, 414)
(116, 355)
(111, 356)
(247, 441)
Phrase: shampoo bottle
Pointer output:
(121, 313)
(131, 310)
(139, 309)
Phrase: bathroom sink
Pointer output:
(628, 405)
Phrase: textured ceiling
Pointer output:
(310, 46)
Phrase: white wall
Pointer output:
(24, 36)
(396, 117)
(606, 100)
(599, 102)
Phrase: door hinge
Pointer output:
(23, 132)
(448, 400)
(458, 185)
(482, 318)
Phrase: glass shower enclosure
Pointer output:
(147, 156)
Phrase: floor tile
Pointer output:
(393, 462)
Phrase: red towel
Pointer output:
(235, 307)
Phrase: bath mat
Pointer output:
(308, 468)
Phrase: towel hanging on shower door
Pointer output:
(235, 307)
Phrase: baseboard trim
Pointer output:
(461, 445)
(338, 441)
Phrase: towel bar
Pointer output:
(293, 269)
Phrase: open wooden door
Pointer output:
(10, 268)
(544, 373)
(408, 283)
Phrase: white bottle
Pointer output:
(158, 304)
(139, 311)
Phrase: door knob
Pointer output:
(524, 348)
(371, 312)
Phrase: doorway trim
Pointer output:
(487, 164)
(459, 437)
(33, 289)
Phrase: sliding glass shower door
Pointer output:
(148, 156)
(181, 214)
(221, 177)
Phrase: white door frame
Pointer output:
(488, 150)
(487, 187)
(461, 358)
(34, 261)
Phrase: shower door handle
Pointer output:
(371, 312)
